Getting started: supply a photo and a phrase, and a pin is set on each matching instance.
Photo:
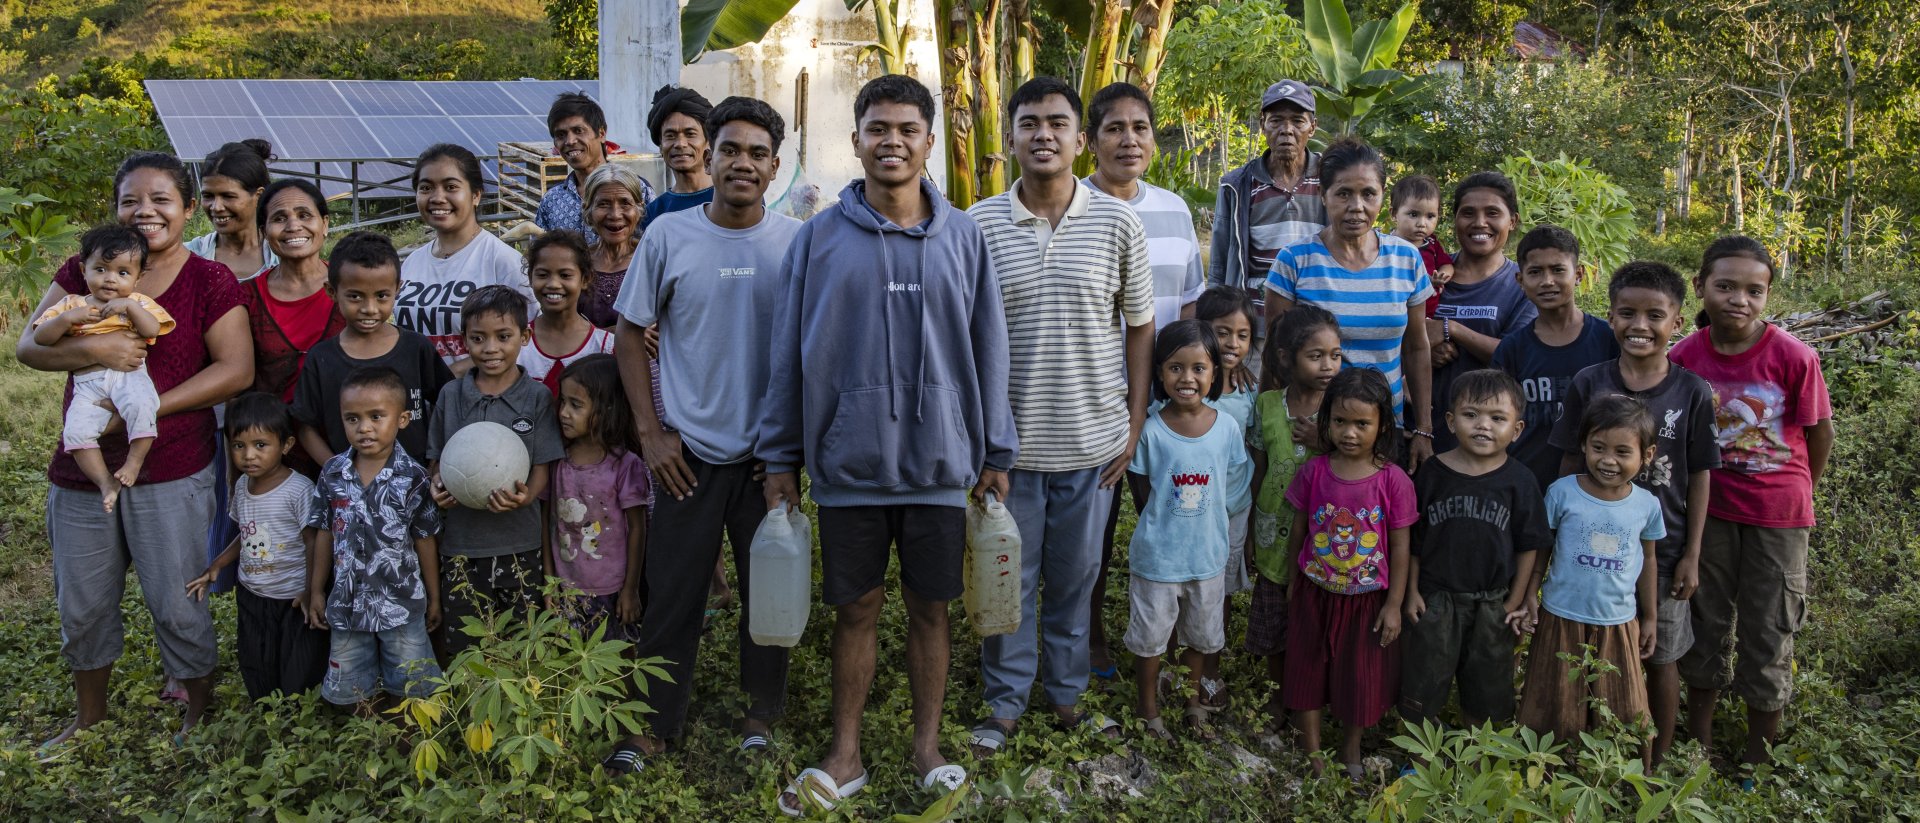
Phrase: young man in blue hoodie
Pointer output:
(890, 385)
(1078, 287)
(710, 278)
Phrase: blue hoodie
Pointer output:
(889, 359)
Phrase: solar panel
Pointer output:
(408, 136)
(323, 138)
(537, 95)
(490, 132)
(375, 98)
(298, 98)
(200, 98)
(196, 137)
(468, 99)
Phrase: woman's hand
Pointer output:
(120, 352)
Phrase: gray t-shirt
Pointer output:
(714, 292)
(526, 407)
(273, 557)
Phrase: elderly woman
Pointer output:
(612, 196)
(1373, 282)
(160, 523)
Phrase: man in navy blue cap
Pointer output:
(1274, 200)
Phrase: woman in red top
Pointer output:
(160, 525)
(288, 307)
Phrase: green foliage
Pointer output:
(33, 240)
(1460, 29)
(1356, 64)
(576, 27)
(711, 25)
(67, 147)
(1570, 194)
(1177, 172)
(1219, 60)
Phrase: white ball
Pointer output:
(481, 458)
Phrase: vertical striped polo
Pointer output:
(1371, 304)
(1173, 250)
(1068, 290)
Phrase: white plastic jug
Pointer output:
(780, 584)
(992, 568)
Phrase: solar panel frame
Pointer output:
(323, 138)
(201, 98)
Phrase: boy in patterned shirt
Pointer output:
(375, 522)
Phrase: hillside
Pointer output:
(387, 39)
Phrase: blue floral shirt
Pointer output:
(376, 572)
(560, 207)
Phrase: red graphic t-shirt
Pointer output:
(1763, 401)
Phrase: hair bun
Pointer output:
(261, 147)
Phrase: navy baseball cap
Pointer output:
(1288, 91)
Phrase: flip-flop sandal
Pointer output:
(1356, 773)
(1157, 729)
(815, 789)
(1109, 672)
(987, 738)
(1098, 724)
(626, 759)
(1213, 693)
(1199, 721)
(754, 744)
(944, 778)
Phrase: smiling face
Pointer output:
(149, 201)
(372, 417)
(1355, 424)
(365, 296)
(111, 278)
(893, 141)
(1643, 322)
(1235, 334)
(1485, 426)
(1549, 276)
(1734, 294)
(258, 452)
(1286, 128)
(581, 145)
(683, 143)
(296, 226)
(1415, 220)
(1186, 376)
(1123, 142)
(744, 163)
(229, 205)
(1047, 137)
(494, 342)
(1353, 200)
(1482, 222)
(557, 279)
(1614, 456)
(613, 213)
(1318, 360)
(447, 201)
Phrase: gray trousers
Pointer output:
(161, 530)
(1061, 517)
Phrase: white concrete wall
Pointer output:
(825, 39)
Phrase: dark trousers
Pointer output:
(683, 542)
(482, 587)
(275, 647)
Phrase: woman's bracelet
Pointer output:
(1421, 433)
(1446, 330)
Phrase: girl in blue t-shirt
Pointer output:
(1600, 575)
(1178, 556)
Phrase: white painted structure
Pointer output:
(639, 52)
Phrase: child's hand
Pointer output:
(1649, 636)
(314, 605)
(1306, 431)
(1686, 578)
(1241, 379)
(441, 497)
(651, 341)
(82, 315)
(197, 587)
(433, 614)
(1444, 275)
(1520, 620)
(506, 500)
(1415, 606)
(629, 606)
(1388, 625)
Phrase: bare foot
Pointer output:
(129, 471)
(65, 735)
(109, 495)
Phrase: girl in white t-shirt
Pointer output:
(437, 277)
(558, 263)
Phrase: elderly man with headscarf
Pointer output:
(579, 130)
(678, 123)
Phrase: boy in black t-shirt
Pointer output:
(1646, 300)
(1545, 354)
(363, 277)
(1481, 523)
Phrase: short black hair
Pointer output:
(1286, 335)
(571, 104)
(894, 88)
(750, 110)
(1041, 88)
(1547, 236)
(1617, 411)
(1499, 183)
(111, 240)
(1347, 153)
(1368, 386)
(494, 299)
(376, 377)
(1412, 188)
(1486, 384)
(259, 410)
(243, 161)
(1104, 99)
(670, 100)
(305, 187)
(159, 161)
(460, 155)
(1179, 335)
(366, 249)
(571, 240)
(1649, 274)
(1219, 301)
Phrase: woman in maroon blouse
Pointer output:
(160, 524)
(288, 307)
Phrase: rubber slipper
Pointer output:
(1198, 719)
(1110, 672)
(1213, 693)
(946, 777)
(754, 744)
(1157, 729)
(987, 737)
(626, 759)
(1099, 724)
(814, 788)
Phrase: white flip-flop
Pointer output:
(814, 788)
(947, 777)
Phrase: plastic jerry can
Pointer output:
(781, 581)
(992, 568)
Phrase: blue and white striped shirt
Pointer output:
(1371, 304)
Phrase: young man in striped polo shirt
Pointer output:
(1078, 288)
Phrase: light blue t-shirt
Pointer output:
(1597, 553)
(1371, 304)
(1241, 407)
(1182, 533)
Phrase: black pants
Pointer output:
(482, 587)
(683, 542)
(276, 648)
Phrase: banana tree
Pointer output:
(714, 25)
(953, 30)
(1356, 65)
(887, 40)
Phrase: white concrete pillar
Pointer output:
(639, 52)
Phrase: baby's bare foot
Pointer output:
(109, 496)
(128, 473)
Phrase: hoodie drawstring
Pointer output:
(886, 324)
(920, 373)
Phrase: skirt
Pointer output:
(1557, 699)
(1334, 656)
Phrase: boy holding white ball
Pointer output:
(499, 547)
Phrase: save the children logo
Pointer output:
(1192, 491)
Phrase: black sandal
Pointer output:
(627, 758)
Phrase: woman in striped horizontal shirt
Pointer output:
(1373, 282)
